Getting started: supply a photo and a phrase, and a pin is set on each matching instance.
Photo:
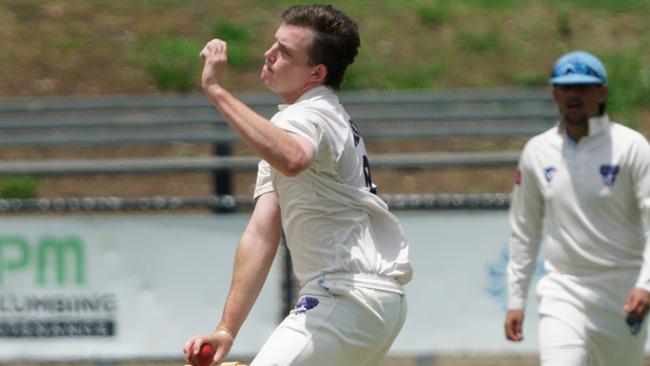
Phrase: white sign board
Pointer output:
(120, 287)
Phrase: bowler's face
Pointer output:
(579, 102)
(286, 69)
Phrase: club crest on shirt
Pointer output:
(609, 173)
(549, 173)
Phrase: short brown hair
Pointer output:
(336, 41)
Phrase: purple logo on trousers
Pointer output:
(305, 303)
(634, 324)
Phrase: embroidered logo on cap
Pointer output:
(549, 173)
(305, 303)
(609, 173)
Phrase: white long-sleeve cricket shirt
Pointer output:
(595, 197)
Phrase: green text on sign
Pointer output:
(53, 260)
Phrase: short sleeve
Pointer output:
(302, 122)
(264, 183)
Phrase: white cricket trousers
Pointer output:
(341, 319)
(582, 322)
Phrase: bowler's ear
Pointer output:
(318, 74)
(604, 90)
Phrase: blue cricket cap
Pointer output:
(578, 67)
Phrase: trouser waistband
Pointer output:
(375, 282)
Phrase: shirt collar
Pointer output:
(321, 91)
(597, 125)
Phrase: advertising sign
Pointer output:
(120, 287)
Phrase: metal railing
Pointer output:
(227, 202)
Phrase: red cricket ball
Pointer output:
(206, 353)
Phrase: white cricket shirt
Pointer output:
(595, 197)
(331, 220)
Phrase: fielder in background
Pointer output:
(349, 253)
(589, 180)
